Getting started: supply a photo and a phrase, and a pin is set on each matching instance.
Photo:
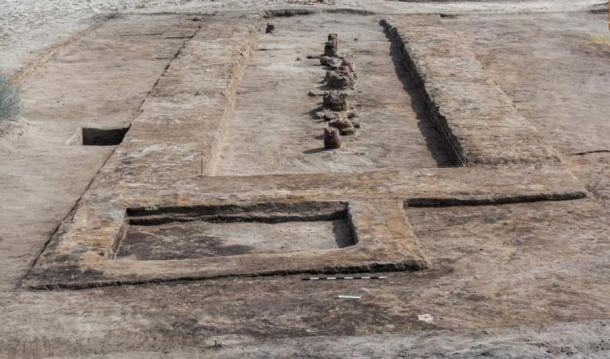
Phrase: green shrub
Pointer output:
(10, 104)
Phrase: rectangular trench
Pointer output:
(272, 130)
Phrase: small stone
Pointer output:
(345, 126)
(334, 38)
(340, 123)
(337, 80)
(332, 139)
(356, 124)
(326, 115)
(348, 67)
(270, 28)
(331, 46)
(330, 62)
(335, 101)
(330, 49)
(347, 131)
(312, 93)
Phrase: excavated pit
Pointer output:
(215, 231)
(197, 239)
(103, 136)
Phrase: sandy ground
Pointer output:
(284, 138)
(555, 308)
(27, 27)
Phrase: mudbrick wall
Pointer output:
(476, 117)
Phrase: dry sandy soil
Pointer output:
(165, 189)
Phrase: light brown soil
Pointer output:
(516, 257)
(273, 130)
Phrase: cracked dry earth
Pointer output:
(167, 188)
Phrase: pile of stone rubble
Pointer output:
(339, 81)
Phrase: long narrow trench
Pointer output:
(272, 130)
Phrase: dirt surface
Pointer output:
(282, 135)
(479, 281)
(527, 56)
(227, 239)
(192, 236)
(532, 70)
(44, 174)
(32, 28)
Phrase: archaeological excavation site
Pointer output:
(305, 179)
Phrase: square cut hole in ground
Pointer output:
(103, 136)
(216, 231)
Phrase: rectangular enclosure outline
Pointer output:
(261, 213)
(379, 245)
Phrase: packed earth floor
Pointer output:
(305, 179)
